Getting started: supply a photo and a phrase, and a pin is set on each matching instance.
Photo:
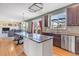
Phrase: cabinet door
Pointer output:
(46, 48)
(25, 47)
(78, 15)
(63, 41)
(77, 45)
(66, 42)
(71, 44)
(72, 15)
(35, 49)
(57, 40)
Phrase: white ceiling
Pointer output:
(14, 11)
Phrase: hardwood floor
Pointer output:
(9, 48)
(61, 52)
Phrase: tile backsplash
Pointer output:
(69, 29)
(73, 29)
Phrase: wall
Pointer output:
(14, 25)
(73, 29)
(69, 29)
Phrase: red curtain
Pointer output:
(40, 23)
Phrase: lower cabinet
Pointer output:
(68, 43)
(77, 45)
(57, 40)
(32, 48)
(71, 44)
(64, 42)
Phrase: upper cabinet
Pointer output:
(77, 15)
(73, 15)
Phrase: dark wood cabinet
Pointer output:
(77, 45)
(72, 16)
(57, 40)
(77, 21)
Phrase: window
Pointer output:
(58, 21)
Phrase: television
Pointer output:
(5, 29)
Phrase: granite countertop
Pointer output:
(39, 38)
(35, 37)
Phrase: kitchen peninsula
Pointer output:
(38, 45)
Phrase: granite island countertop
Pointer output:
(39, 38)
(35, 37)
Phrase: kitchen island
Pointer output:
(38, 45)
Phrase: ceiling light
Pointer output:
(35, 7)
